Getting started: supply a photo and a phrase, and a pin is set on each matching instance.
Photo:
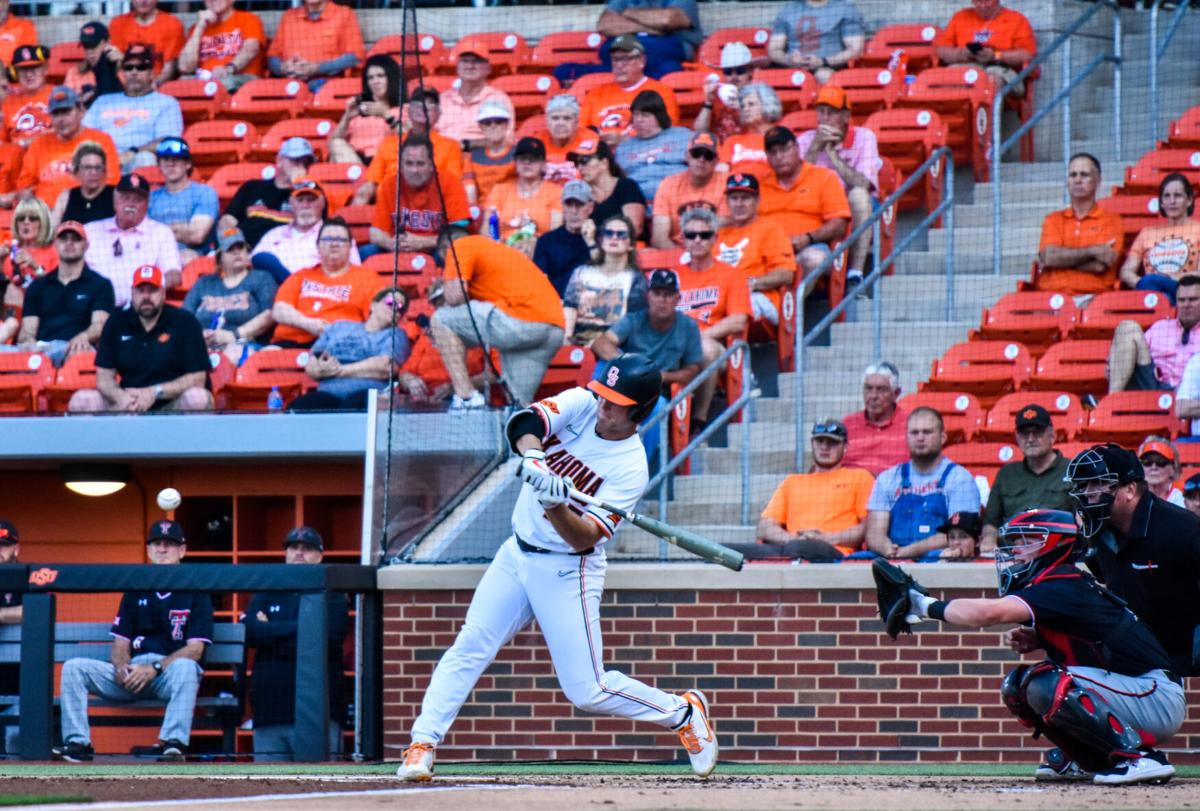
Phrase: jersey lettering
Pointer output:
(178, 618)
(564, 464)
(329, 292)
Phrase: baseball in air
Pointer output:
(169, 498)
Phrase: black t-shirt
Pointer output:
(174, 347)
(558, 253)
(626, 192)
(10, 674)
(83, 211)
(259, 206)
(1080, 623)
(64, 311)
(163, 623)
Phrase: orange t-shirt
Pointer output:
(1171, 250)
(15, 32)
(816, 197)
(506, 277)
(447, 157)
(709, 296)
(612, 99)
(224, 39)
(1007, 31)
(420, 209)
(746, 154)
(164, 33)
(316, 294)
(831, 501)
(558, 168)
(515, 209)
(1065, 230)
(483, 173)
(677, 190)
(331, 35)
(755, 249)
(47, 164)
(27, 116)
(11, 157)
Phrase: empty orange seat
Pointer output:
(987, 369)
(63, 56)
(688, 87)
(914, 41)
(908, 136)
(1037, 319)
(962, 96)
(960, 412)
(220, 142)
(77, 372)
(199, 99)
(315, 130)
(339, 180)
(1136, 211)
(1106, 310)
(412, 271)
(529, 93)
(868, 90)
(23, 375)
(795, 87)
(1185, 133)
(983, 458)
(581, 47)
(756, 39)
(586, 83)
(533, 126)
(262, 371)
(265, 101)
(570, 366)
(359, 219)
(226, 180)
(1066, 413)
(1074, 366)
(1128, 417)
(330, 101)
(1147, 174)
(799, 121)
(410, 50)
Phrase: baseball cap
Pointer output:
(166, 530)
(1159, 445)
(231, 237)
(1191, 487)
(138, 53)
(71, 226)
(588, 146)
(1033, 416)
(296, 148)
(529, 147)
(135, 183)
(703, 140)
(8, 533)
(62, 98)
(466, 47)
(29, 56)
(304, 535)
(172, 146)
(834, 97)
(741, 181)
(1122, 463)
(92, 34)
(577, 190)
(306, 185)
(831, 429)
(778, 136)
(968, 522)
(664, 279)
(735, 55)
(627, 42)
(147, 274)
(491, 110)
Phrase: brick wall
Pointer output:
(794, 671)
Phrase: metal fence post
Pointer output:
(1117, 68)
(997, 155)
(747, 421)
(948, 224)
(1066, 117)
(1153, 64)
(877, 298)
(798, 386)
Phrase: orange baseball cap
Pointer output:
(834, 97)
(1160, 446)
(148, 274)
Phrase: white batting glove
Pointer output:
(533, 470)
(557, 492)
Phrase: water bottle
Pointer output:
(275, 401)
(493, 224)
(898, 60)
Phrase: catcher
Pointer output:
(1105, 694)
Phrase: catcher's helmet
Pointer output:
(1033, 542)
(1094, 476)
(630, 380)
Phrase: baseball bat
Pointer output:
(696, 544)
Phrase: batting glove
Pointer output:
(557, 492)
(533, 470)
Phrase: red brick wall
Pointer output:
(792, 675)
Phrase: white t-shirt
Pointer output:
(1189, 387)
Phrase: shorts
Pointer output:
(763, 309)
(1145, 378)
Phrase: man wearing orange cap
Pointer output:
(27, 107)
(460, 105)
(699, 184)
(315, 41)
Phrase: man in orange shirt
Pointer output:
(699, 183)
(14, 32)
(498, 291)
(426, 204)
(225, 45)
(1081, 244)
(26, 110)
(315, 41)
(146, 24)
(423, 111)
(990, 36)
(46, 170)
(629, 79)
(759, 248)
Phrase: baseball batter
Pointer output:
(552, 567)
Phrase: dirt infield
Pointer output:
(635, 792)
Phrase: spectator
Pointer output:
(352, 360)
(159, 640)
(14, 32)
(423, 111)
(461, 106)
(189, 209)
(316, 41)
(1187, 397)
(1034, 481)
(97, 73)
(423, 377)
(1191, 494)
(45, 168)
(1160, 460)
(10, 614)
(820, 515)
(272, 629)
(66, 309)
(720, 114)
(30, 252)
(911, 500)
(335, 290)
(600, 293)
(492, 157)
(92, 199)
(990, 36)
(656, 149)
(260, 205)
(1081, 245)
(423, 198)
(713, 293)
(145, 23)
(499, 291)
(611, 101)
(699, 184)
(129, 240)
(612, 192)
(526, 201)
(962, 536)
(286, 249)
(821, 36)
(878, 439)
(141, 116)
(667, 32)
(1163, 253)
(757, 247)
(27, 108)
(560, 251)
(371, 115)
(233, 305)
(224, 44)
(562, 136)
(760, 109)
(852, 153)
(1155, 359)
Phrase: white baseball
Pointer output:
(169, 498)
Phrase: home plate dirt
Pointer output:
(587, 792)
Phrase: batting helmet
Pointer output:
(1094, 476)
(630, 380)
(1033, 542)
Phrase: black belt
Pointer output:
(1174, 677)
(537, 550)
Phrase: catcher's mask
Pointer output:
(1031, 543)
(1094, 476)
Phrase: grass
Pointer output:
(52, 799)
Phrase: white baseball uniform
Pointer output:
(559, 589)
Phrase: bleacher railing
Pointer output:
(1157, 50)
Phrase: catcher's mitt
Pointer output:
(891, 589)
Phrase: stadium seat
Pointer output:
(587, 82)
(151, 174)
(339, 180)
(688, 86)
(983, 458)
(1185, 132)
(77, 372)
(756, 39)
(265, 101)
(315, 130)
(799, 121)
(221, 142)
(63, 56)
(889, 181)
(528, 92)
(270, 367)
(1128, 417)
(330, 101)
(192, 271)
(796, 88)
(1101, 316)
(199, 99)
(413, 271)
(987, 369)
(507, 50)
(533, 126)
(1036, 319)
(962, 96)
(1189, 453)
(580, 47)
(359, 219)
(651, 258)
(1147, 174)
(428, 52)
(868, 90)
(1076, 366)
(1065, 411)
(226, 180)
(23, 375)
(1070, 450)
(1136, 211)
(960, 412)
(570, 366)
(914, 40)
(441, 83)
(907, 137)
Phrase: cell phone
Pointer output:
(974, 47)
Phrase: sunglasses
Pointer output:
(699, 234)
(138, 68)
(742, 71)
(1191, 486)
(1155, 461)
(613, 233)
(583, 160)
(703, 155)
(25, 218)
(494, 122)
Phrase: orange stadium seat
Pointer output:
(1036, 319)
(528, 92)
(1065, 410)
(1074, 366)
(23, 375)
(315, 130)
(962, 96)
(756, 39)
(330, 101)
(1136, 210)
(265, 101)
(221, 142)
(1128, 417)
(262, 370)
(587, 82)
(533, 126)
(688, 86)
(413, 271)
(570, 366)
(441, 83)
(77, 372)
(152, 174)
(1101, 316)
(192, 271)
(1070, 450)
(359, 219)
(889, 181)
(221, 373)
(868, 90)
(339, 180)
(199, 99)
(507, 50)
(915, 40)
(1189, 453)
(796, 88)
(960, 411)
(800, 121)
(651, 258)
(983, 458)
(581, 47)
(63, 56)
(407, 49)
(1146, 175)
(908, 137)
(1185, 133)
(987, 369)
(226, 180)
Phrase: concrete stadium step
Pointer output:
(1019, 238)
(778, 460)
(969, 260)
(918, 299)
(724, 489)
(1016, 213)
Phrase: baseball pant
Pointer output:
(12, 733)
(1150, 703)
(276, 742)
(177, 686)
(562, 592)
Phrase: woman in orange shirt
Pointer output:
(760, 109)
(370, 115)
(29, 252)
(526, 200)
(1163, 253)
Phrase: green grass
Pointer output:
(52, 799)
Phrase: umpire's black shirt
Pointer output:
(174, 347)
(1156, 569)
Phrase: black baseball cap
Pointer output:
(832, 429)
(134, 182)
(305, 535)
(778, 136)
(529, 147)
(92, 34)
(741, 181)
(663, 279)
(1191, 487)
(968, 522)
(8, 533)
(166, 530)
(1033, 416)
(138, 53)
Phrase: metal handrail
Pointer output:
(1000, 144)
(945, 208)
(1157, 52)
